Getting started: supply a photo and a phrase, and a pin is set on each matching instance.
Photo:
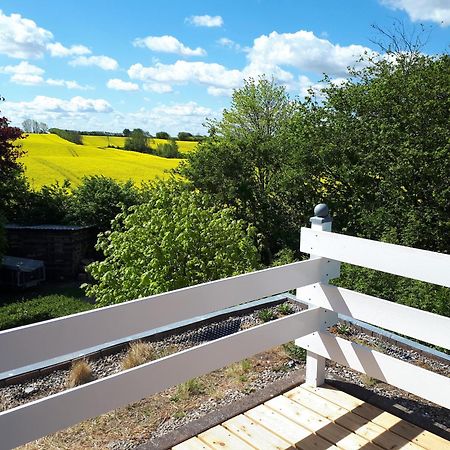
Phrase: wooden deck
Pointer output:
(315, 418)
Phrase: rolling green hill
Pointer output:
(49, 158)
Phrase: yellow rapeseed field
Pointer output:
(105, 141)
(49, 158)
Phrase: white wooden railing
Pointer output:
(33, 343)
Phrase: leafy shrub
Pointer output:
(168, 150)
(99, 199)
(173, 240)
(39, 309)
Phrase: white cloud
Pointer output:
(205, 21)
(159, 88)
(229, 43)
(434, 10)
(104, 62)
(28, 74)
(167, 44)
(42, 104)
(120, 85)
(69, 84)
(210, 74)
(302, 50)
(22, 38)
(58, 50)
(24, 73)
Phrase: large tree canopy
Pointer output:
(377, 149)
(171, 241)
(244, 160)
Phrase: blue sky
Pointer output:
(167, 65)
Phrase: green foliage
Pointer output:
(266, 315)
(377, 149)
(417, 294)
(162, 135)
(245, 162)
(294, 351)
(171, 241)
(39, 309)
(284, 256)
(99, 199)
(168, 150)
(126, 132)
(184, 136)
(137, 141)
(68, 135)
(285, 309)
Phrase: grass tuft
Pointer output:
(80, 373)
(138, 353)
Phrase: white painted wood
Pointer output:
(315, 364)
(396, 259)
(33, 343)
(411, 378)
(422, 325)
(39, 418)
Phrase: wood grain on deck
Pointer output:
(317, 419)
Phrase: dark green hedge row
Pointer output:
(39, 309)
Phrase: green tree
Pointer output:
(377, 149)
(99, 199)
(245, 162)
(168, 149)
(185, 136)
(137, 141)
(173, 240)
(126, 132)
(162, 135)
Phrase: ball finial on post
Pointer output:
(321, 215)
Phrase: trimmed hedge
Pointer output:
(39, 309)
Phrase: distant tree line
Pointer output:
(68, 135)
(33, 126)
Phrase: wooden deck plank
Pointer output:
(315, 419)
(370, 431)
(294, 433)
(192, 444)
(254, 434)
(219, 437)
(382, 418)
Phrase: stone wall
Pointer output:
(62, 248)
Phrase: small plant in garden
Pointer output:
(239, 370)
(285, 309)
(138, 353)
(188, 389)
(80, 373)
(294, 352)
(343, 328)
(266, 315)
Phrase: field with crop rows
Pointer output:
(105, 141)
(49, 158)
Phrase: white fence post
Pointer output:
(315, 364)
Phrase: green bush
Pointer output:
(68, 135)
(168, 150)
(39, 309)
(171, 241)
(99, 199)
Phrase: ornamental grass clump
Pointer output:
(138, 353)
(80, 373)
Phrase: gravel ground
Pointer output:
(14, 395)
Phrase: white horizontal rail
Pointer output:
(41, 417)
(411, 378)
(422, 325)
(33, 343)
(404, 261)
